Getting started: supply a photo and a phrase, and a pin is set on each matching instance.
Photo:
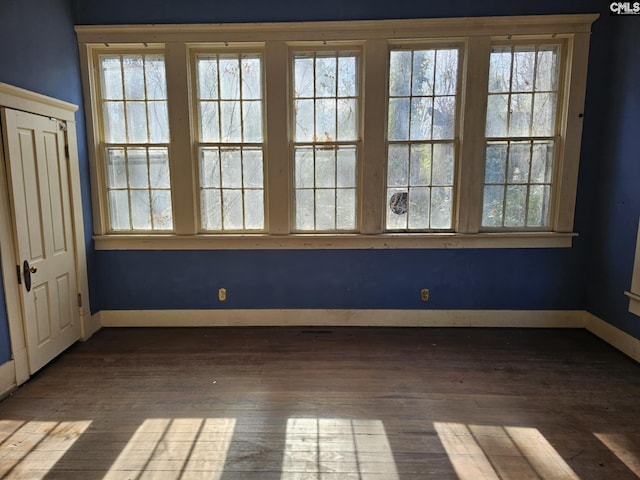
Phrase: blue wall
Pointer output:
(500, 279)
(618, 209)
(38, 51)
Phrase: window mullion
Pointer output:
(472, 135)
(183, 186)
(373, 151)
(277, 135)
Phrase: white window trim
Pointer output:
(376, 38)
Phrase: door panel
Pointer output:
(40, 200)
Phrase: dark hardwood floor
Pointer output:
(328, 404)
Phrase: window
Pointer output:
(136, 138)
(423, 88)
(325, 109)
(520, 130)
(432, 133)
(229, 97)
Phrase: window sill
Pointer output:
(634, 302)
(328, 241)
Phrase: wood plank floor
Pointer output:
(327, 404)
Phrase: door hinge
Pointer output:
(79, 299)
(66, 151)
(19, 274)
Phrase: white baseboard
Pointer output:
(7, 378)
(615, 337)
(322, 317)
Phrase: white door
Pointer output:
(41, 209)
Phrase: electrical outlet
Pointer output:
(424, 294)
(222, 294)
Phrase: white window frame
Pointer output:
(375, 38)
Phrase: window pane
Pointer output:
(442, 173)
(346, 209)
(441, 207)
(347, 77)
(114, 122)
(304, 119)
(515, 206)
(254, 209)
(303, 77)
(423, 72)
(325, 168)
(543, 114)
(524, 61)
(231, 167)
(252, 171)
(542, 162)
(138, 167)
(230, 121)
(229, 69)
(119, 209)
(444, 114)
(418, 208)
(159, 168)
(133, 67)
(497, 114)
(116, 168)
(400, 73)
(232, 211)
(251, 79)
(207, 77)
(399, 112)
(397, 207)
(155, 78)
(421, 165)
(326, 76)
(500, 70)
(446, 72)
(252, 121)
(137, 122)
(496, 163)
(346, 169)
(347, 119)
(305, 208)
(140, 211)
(161, 210)
(158, 122)
(209, 126)
(210, 167)
(111, 78)
(325, 120)
(325, 209)
(421, 118)
(547, 71)
(519, 155)
(398, 166)
(520, 119)
(304, 168)
(211, 206)
(492, 206)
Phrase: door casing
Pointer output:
(20, 99)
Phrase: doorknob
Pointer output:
(26, 273)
